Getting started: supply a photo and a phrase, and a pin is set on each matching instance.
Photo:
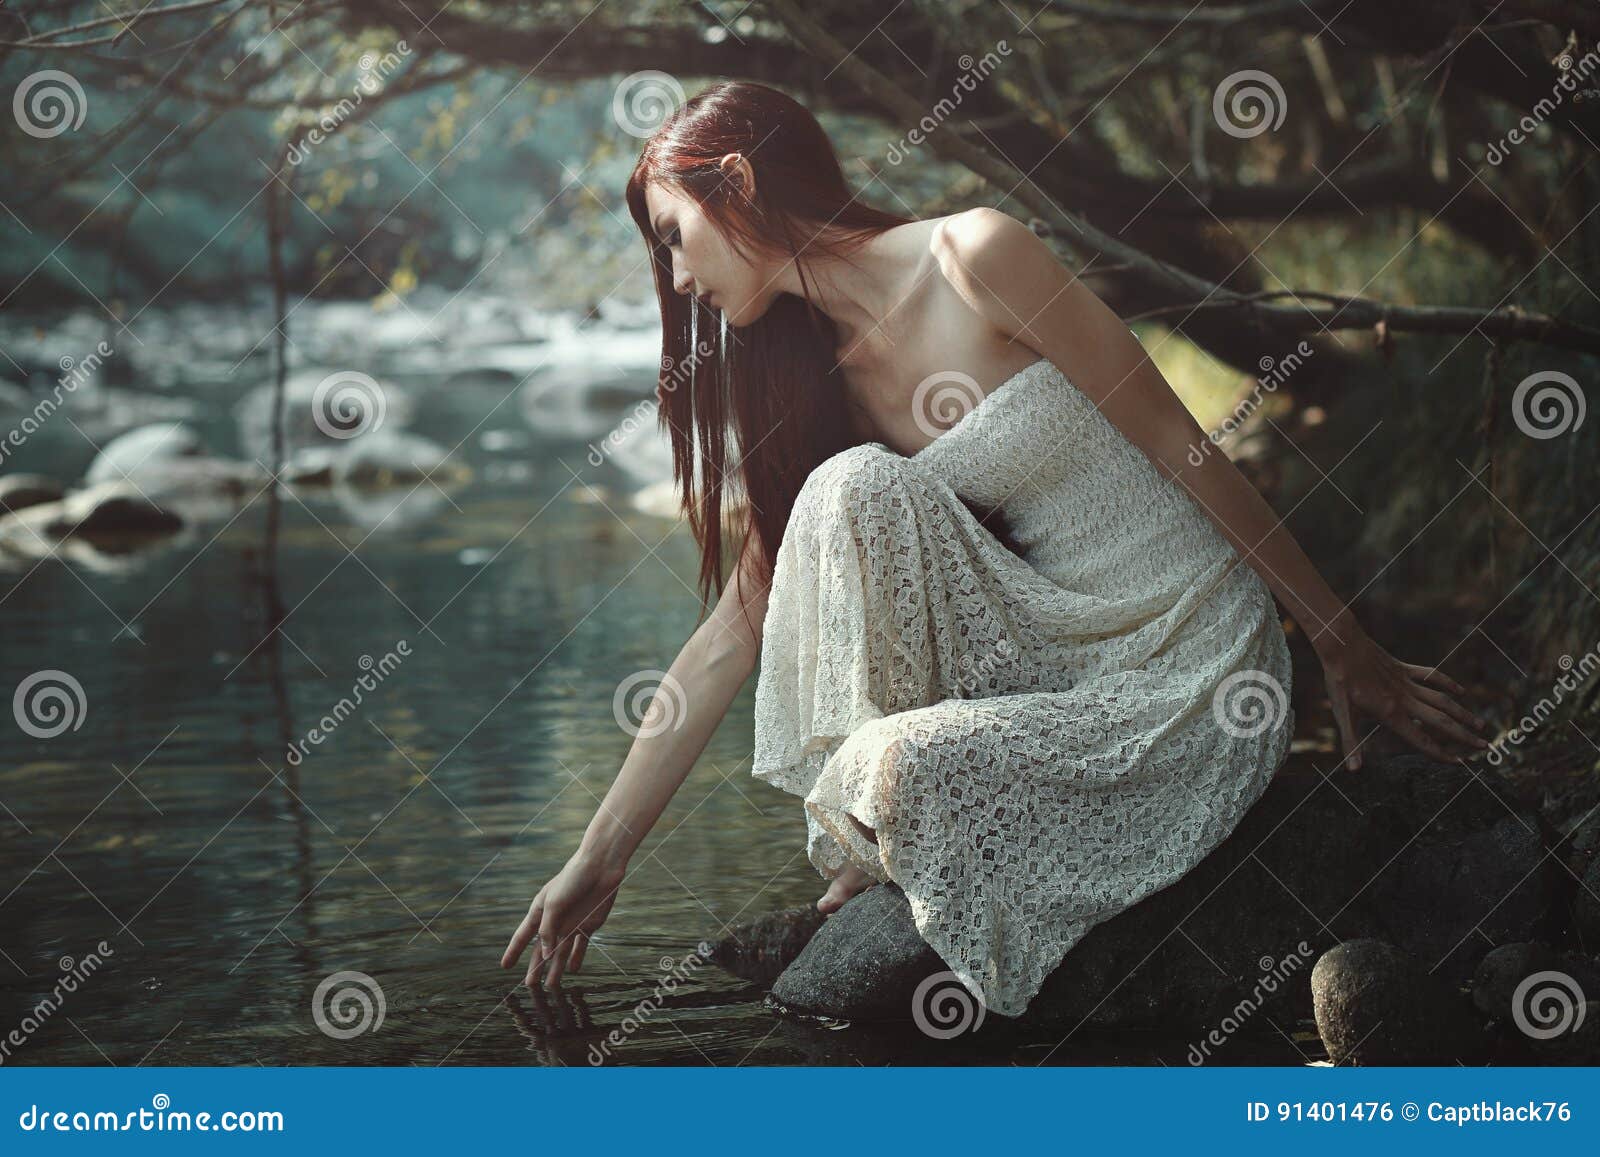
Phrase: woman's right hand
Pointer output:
(564, 914)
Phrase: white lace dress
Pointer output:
(1040, 741)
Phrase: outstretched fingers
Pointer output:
(1339, 700)
(1409, 729)
(1470, 725)
(525, 931)
(1419, 714)
(1434, 677)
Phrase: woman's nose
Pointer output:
(681, 281)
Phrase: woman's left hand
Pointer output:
(1415, 701)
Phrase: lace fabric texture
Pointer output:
(1039, 740)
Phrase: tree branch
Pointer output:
(1086, 238)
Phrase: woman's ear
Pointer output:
(736, 167)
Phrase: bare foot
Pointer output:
(846, 884)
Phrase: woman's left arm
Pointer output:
(1010, 276)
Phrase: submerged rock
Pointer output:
(146, 448)
(169, 464)
(1433, 858)
(111, 514)
(18, 491)
(393, 457)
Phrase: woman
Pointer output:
(1009, 654)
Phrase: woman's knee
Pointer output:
(852, 477)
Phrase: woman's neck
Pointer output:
(856, 292)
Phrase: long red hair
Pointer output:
(775, 383)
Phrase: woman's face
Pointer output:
(703, 262)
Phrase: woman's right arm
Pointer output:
(711, 667)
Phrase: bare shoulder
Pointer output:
(980, 250)
(979, 238)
